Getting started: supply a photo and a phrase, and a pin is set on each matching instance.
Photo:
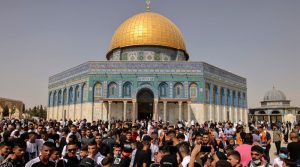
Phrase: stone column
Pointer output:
(180, 111)
(101, 110)
(165, 111)
(189, 111)
(124, 110)
(109, 111)
(133, 113)
(155, 112)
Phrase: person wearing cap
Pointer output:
(283, 154)
(143, 156)
(257, 154)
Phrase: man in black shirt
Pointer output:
(102, 147)
(169, 158)
(294, 146)
(118, 160)
(127, 145)
(43, 159)
(70, 160)
(143, 156)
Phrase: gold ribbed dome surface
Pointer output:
(147, 28)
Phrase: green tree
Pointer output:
(37, 111)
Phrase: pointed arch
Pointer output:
(54, 99)
(65, 96)
(127, 89)
(215, 95)
(193, 91)
(112, 89)
(163, 89)
(77, 94)
(178, 90)
(59, 98)
(49, 99)
(207, 92)
(97, 89)
(71, 95)
(84, 93)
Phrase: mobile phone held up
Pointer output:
(205, 149)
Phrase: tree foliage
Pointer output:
(37, 111)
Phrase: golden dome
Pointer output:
(147, 28)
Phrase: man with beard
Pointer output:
(102, 147)
(88, 138)
(257, 154)
(70, 160)
(43, 159)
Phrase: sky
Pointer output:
(256, 39)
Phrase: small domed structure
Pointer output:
(275, 107)
(274, 95)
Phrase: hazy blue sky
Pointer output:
(256, 39)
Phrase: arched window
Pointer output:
(234, 99)
(54, 99)
(84, 93)
(49, 100)
(228, 97)
(178, 90)
(71, 95)
(262, 112)
(193, 91)
(163, 87)
(77, 94)
(275, 112)
(112, 89)
(239, 99)
(98, 90)
(223, 96)
(127, 89)
(215, 94)
(207, 92)
(59, 98)
(65, 97)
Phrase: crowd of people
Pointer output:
(42, 143)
